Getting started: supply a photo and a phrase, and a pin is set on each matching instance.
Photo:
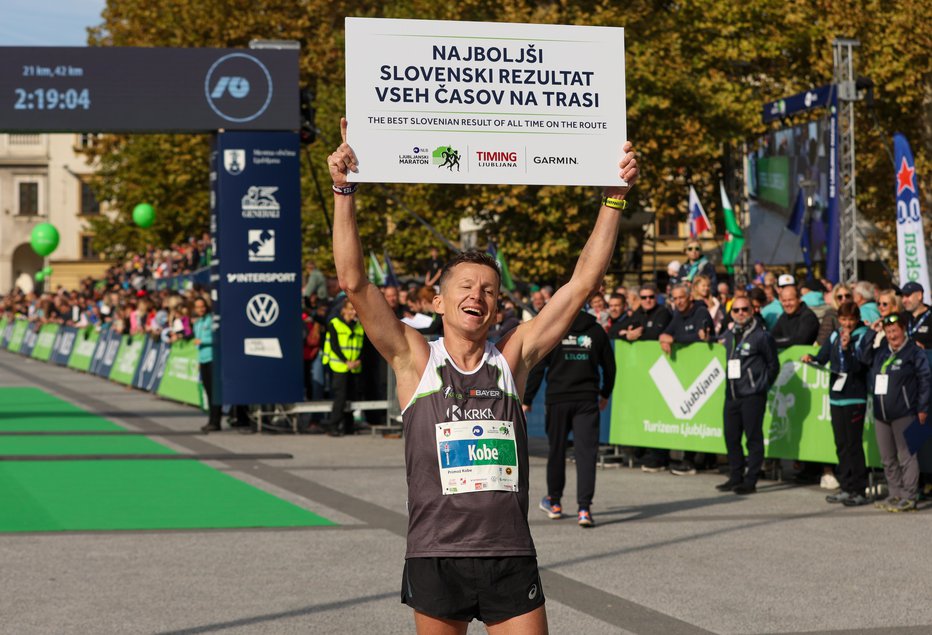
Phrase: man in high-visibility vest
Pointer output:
(342, 349)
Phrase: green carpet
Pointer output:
(34, 410)
(116, 494)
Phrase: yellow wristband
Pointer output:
(615, 203)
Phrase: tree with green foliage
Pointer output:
(697, 73)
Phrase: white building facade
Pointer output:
(45, 178)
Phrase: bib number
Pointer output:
(880, 384)
(477, 456)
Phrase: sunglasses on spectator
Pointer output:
(740, 309)
(885, 303)
(843, 296)
(692, 249)
(648, 297)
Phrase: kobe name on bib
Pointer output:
(477, 456)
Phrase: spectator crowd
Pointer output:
(849, 322)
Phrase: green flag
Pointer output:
(376, 273)
(734, 237)
(507, 282)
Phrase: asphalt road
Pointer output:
(669, 555)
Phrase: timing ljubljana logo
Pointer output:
(238, 87)
(262, 310)
(234, 161)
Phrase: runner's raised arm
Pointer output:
(403, 347)
(532, 340)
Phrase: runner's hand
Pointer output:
(602, 403)
(627, 170)
(526, 408)
(343, 160)
(922, 418)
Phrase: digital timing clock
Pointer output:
(129, 89)
(52, 99)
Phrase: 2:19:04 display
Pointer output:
(52, 99)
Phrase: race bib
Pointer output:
(839, 384)
(734, 369)
(880, 384)
(477, 456)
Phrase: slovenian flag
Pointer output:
(698, 221)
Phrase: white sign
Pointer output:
(473, 102)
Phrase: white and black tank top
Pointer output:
(473, 518)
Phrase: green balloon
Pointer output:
(47, 271)
(144, 215)
(44, 239)
(40, 276)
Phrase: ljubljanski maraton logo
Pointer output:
(496, 159)
(262, 309)
(417, 156)
(260, 202)
(447, 157)
(261, 245)
(234, 161)
(238, 87)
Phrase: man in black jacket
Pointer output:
(648, 322)
(574, 400)
(917, 314)
(752, 369)
(798, 324)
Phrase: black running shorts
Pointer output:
(487, 589)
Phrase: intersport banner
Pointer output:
(152, 367)
(676, 402)
(30, 337)
(910, 237)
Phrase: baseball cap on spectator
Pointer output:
(912, 287)
(786, 280)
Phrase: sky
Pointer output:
(48, 22)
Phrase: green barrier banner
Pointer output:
(182, 378)
(4, 321)
(83, 351)
(127, 358)
(675, 402)
(19, 332)
(45, 341)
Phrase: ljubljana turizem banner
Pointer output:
(676, 402)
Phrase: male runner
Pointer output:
(469, 549)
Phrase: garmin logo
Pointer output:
(556, 160)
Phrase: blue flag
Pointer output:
(391, 280)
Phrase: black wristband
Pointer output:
(346, 190)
